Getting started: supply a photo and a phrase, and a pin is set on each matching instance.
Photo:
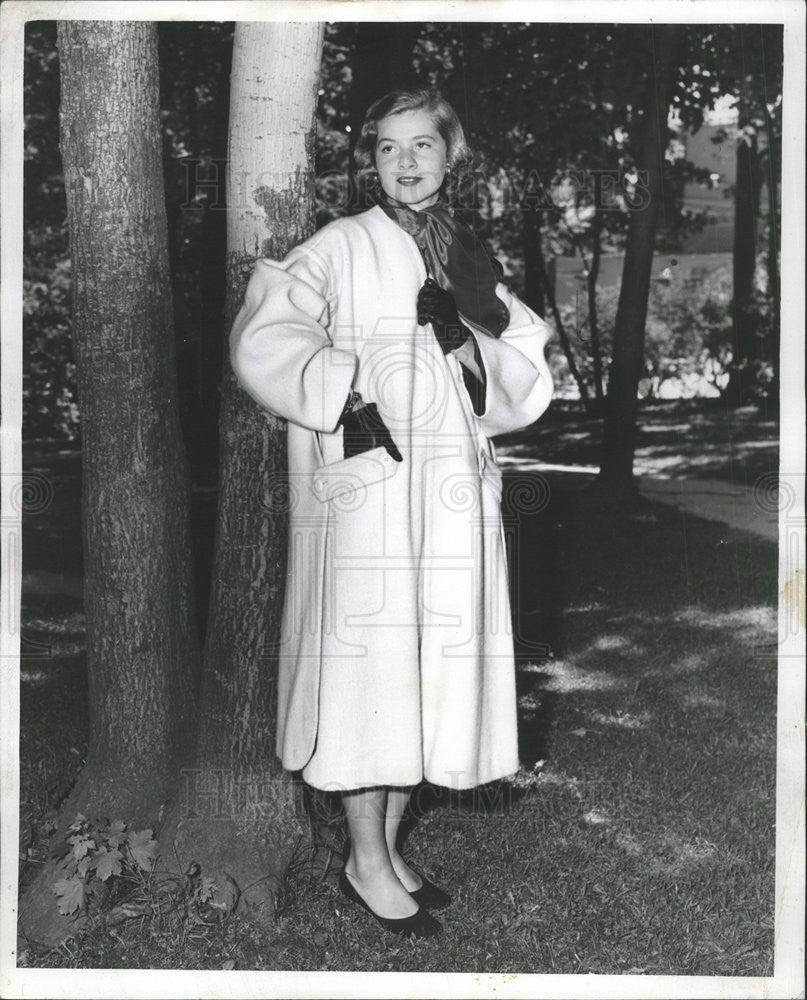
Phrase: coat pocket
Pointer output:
(350, 474)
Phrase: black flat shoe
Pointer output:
(420, 925)
(430, 895)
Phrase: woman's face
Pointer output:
(410, 156)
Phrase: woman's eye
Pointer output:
(384, 149)
(426, 144)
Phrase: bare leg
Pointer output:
(397, 799)
(368, 866)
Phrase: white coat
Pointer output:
(396, 657)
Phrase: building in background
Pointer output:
(705, 252)
(713, 148)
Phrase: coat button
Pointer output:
(319, 485)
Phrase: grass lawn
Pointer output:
(638, 835)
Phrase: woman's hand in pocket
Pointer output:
(363, 429)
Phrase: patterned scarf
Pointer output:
(457, 260)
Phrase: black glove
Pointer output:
(437, 306)
(364, 429)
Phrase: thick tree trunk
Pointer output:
(236, 779)
(619, 431)
(746, 345)
(141, 641)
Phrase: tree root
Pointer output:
(239, 863)
(101, 790)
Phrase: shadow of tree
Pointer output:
(689, 438)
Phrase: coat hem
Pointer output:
(498, 774)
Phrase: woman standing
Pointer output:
(390, 346)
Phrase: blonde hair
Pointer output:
(430, 100)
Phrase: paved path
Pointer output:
(716, 500)
(739, 507)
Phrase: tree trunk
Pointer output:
(619, 431)
(773, 131)
(772, 261)
(539, 277)
(141, 640)
(236, 778)
(593, 324)
(534, 294)
(746, 345)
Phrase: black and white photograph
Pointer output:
(403, 430)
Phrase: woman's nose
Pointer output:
(406, 158)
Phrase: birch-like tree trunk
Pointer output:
(239, 806)
(142, 655)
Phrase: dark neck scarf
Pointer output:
(457, 260)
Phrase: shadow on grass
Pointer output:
(694, 438)
(638, 834)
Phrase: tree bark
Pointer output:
(592, 276)
(236, 778)
(142, 654)
(534, 293)
(772, 262)
(619, 430)
(747, 192)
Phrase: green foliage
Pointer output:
(49, 372)
(687, 338)
(109, 869)
(95, 852)
(688, 334)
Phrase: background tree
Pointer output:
(195, 60)
(746, 62)
(141, 638)
(758, 141)
(619, 428)
(237, 811)
(382, 61)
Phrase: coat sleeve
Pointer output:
(518, 383)
(280, 347)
